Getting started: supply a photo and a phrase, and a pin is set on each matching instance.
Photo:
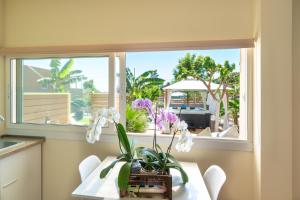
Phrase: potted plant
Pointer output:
(143, 160)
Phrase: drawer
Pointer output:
(20, 175)
(11, 167)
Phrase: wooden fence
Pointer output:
(100, 100)
(55, 107)
(43, 107)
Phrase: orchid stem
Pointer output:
(170, 146)
(155, 119)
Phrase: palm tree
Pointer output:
(61, 77)
(147, 85)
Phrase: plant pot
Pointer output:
(149, 184)
(149, 172)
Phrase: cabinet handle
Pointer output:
(8, 184)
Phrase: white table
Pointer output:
(95, 188)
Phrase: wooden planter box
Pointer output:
(147, 185)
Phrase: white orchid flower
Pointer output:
(1, 118)
(102, 116)
(101, 121)
(90, 138)
(94, 131)
(185, 142)
(180, 126)
(113, 115)
(102, 113)
(98, 132)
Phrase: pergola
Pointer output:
(186, 85)
(195, 85)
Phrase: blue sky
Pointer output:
(94, 68)
(164, 62)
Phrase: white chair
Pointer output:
(214, 178)
(88, 165)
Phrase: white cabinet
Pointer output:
(20, 175)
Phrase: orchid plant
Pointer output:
(154, 159)
(167, 121)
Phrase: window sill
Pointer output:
(200, 142)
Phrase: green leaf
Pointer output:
(45, 81)
(105, 171)
(147, 73)
(172, 159)
(66, 69)
(152, 81)
(151, 153)
(147, 85)
(136, 119)
(162, 153)
(55, 63)
(132, 147)
(123, 177)
(123, 137)
(184, 176)
(139, 151)
(75, 72)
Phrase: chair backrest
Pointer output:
(88, 165)
(214, 178)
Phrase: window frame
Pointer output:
(57, 127)
(76, 132)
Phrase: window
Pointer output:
(206, 88)
(66, 90)
(61, 90)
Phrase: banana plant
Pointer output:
(148, 84)
(61, 77)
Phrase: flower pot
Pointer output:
(149, 184)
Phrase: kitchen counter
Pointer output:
(24, 143)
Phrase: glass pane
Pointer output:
(62, 91)
(174, 80)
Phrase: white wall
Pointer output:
(273, 136)
(296, 99)
(75, 22)
(61, 159)
(1, 22)
(2, 110)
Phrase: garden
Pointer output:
(149, 86)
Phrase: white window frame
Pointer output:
(50, 129)
(75, 132)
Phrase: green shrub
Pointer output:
(136, 120)
(78, 115)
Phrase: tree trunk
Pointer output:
(217, 115)
(235, 120)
